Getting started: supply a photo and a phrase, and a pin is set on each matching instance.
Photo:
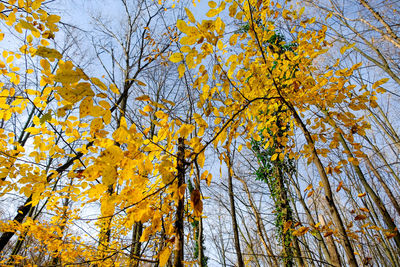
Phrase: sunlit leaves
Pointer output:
(379, 83)
(46, 52)
(176, 57)
(345, 48)
(164, 255)
(76, 93)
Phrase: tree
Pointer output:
(110, 170)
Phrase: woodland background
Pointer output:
(231, 133)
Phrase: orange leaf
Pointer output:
(197, 203)
(362, 195)
(328, 233)
(339, 186)
(360, 217)
(286, 226)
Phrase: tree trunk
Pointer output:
(385, 214)
(233, 215)
(351, 259)
(179, 238)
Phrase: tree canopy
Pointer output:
(256, 133)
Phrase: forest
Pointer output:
(199, 133)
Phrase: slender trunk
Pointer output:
(136, 244)
(381, 206)
(178, 253)
(298, 254)
(249, 243)
(331, 245)
(381, 180)
(332, 259)
(392, 255)
(260, 225)
(386, 127)
(198, 229)
(351, 259)
(233, 215)
(202, 260)
(105, 227)
(381, 156)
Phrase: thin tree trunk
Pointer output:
(351, 259)
(379, 153)
(332, 259)
(381, 180)
(136, 244)
(179, 255)
(233, 214)
(260, 225)
(331, 245)
(385, 214)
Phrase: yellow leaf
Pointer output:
(213, 12)
(32, 130)
(190, 15)
(46, 52)
(99, 83)
(345, 48)
(138, 82)
(53, 19)
(96, 124)
(114, 88)
(181, 25)
(274, 157)
(148, 108)
(308, 187)
(143, 98)
(380, 82)
(233, 39)
(176, 57)
(85, 107)
(181, 70)
(27, 25)
(301, 231)
(185, 130)
(220, 45)
(201, 159)
(164, 256)
(212, 4)
(364, 209)
(181, 190)
(381, 90)
(390, 235)
(74, 95)
(362, 194)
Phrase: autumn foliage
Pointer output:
(99, 170)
